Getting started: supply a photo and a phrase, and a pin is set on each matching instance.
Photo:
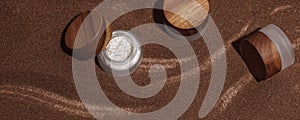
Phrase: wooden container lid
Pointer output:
(262, 52)
(90, 32)
(186, 14)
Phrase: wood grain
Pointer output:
(261, 56)
(186, 14)
(91, 31)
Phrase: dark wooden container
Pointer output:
(267, 52)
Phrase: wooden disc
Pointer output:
(91, 30)
(186, 14)
(260, 55)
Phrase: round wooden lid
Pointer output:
(186, 14)
(253, 60)
(91, 29)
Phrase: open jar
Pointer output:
(122, 55)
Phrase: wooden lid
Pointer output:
(186, 14)
(260, 55)
(94, 26)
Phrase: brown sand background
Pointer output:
(36, 76)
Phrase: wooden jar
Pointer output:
(267, 52)
(186, 17)
(89, 42)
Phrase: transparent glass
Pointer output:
(283, 44)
